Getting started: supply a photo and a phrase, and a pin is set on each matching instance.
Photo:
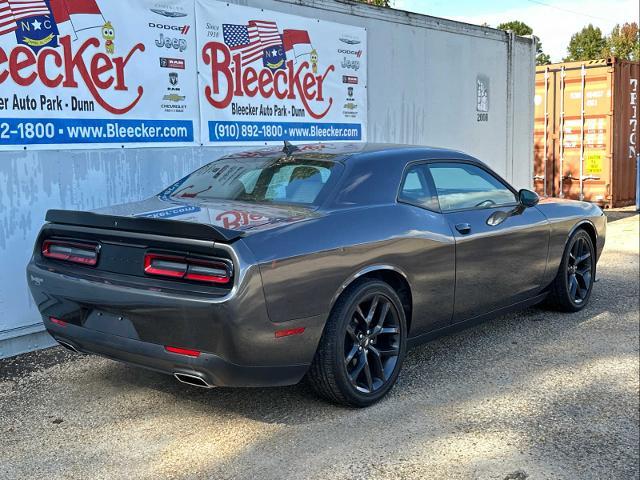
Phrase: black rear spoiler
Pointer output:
(155, 226)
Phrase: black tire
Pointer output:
(331, 373)
(571, 289)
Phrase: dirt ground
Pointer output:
(530, 395)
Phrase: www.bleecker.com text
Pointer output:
(44, 103)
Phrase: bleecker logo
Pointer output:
(289, 67)
(230, 78)
(184, 29)
(64, 68)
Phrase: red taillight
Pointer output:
(57, 321)
(183, 351)
(186, 268)
(82, 253)
(289, 332)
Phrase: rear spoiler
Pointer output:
(155, 226)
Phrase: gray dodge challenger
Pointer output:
(323, 262)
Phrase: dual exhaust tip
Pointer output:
(193, 380)
(68, 346)
(189, 379)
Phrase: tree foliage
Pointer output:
(521, 28)
(587, 44)
(623, 42)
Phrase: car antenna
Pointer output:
(289, 149)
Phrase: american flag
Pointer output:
(13, 10)
(251, 39)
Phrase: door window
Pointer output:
(461, 185)
(416, 189)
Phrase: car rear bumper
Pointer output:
(134, 323)
(212, 369)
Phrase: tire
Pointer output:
(571, 289)
(351, 346)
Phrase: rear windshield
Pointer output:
(261, 180)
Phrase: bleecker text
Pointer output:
(230, 79)
(54, 69)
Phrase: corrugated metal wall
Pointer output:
(585, 147)
(422, 90)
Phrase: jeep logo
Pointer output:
(178, 43)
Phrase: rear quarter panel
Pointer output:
(305, 266)
(565, 216)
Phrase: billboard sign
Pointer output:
(267, 76)
(87, 73)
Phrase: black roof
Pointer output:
(354, 152)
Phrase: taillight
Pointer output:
(75, 252)
(183, 351)
(187, 268)
(57, 321)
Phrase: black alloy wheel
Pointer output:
(579, 269)
(362, 347)
(571, 289)
(372, 343)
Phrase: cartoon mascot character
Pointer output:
(109, 35)
(314, 61)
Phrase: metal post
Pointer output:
(583, 74)
(562, 75)
(546, 120)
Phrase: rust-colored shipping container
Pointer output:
(586, 131)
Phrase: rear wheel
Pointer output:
(571, 289)
(362, 347)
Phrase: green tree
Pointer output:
(624, 42)
(521, 28)
(587, 44)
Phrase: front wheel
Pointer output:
(362, 347)
(571, 289)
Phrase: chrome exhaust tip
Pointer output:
(193, 380)
(68, 346)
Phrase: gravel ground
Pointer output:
(531, 395)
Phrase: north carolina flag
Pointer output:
(298, 41)
(82, 14)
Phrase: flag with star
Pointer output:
(274, 58)
(258, 39)
(35, 25)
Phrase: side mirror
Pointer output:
(528, 198)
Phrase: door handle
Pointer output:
(463, 228)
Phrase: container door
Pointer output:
(544, 132)
(627, 138)
(584, 113)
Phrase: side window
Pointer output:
(460, 185)
(416, 189)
